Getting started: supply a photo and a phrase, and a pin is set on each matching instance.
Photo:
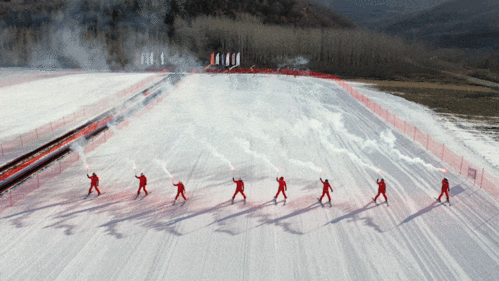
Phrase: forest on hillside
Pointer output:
(268, 33)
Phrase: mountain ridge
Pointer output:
(453, 24)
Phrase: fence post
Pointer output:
(481, 181)
(443, 149)
(38, 178)
(36, 130)
(63, 122)
(10, 193)
(461, 168)
(60, 167)
(21, 137)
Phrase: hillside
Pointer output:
(95, 34)
(298, 13)
(155, 14)
(366, 13)
(454, 24)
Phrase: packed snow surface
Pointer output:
(28, 106)
(215, 127)
(462, 136)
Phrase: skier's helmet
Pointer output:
(141, 174)
(445, 179)
(282, 178)
(240, 179)
(327, 180)
(382, 180)
(93, 174)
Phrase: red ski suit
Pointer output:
(282, 187)
(325, 190)
(180, 190)
(239, 188)
(445, 189)
(142, 184)
(94, 183)
(381, 189)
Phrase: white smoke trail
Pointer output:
(389, 138)
(246, 146)
(307, 164)
(350, 155)
(162, 164)
(134, 165)
(112, 127)
(78, 147)
(219, 155)
(324, 133)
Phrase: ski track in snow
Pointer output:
(216, 127)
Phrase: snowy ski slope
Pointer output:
(33, 110)
(26, 106)
(215, 127)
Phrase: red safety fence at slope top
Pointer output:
(478, 175)
(10, 81)
(78, 116)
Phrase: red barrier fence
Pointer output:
(10, 81)
(78, 116)
(13, 195)
(474, 173)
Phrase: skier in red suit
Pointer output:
(282, 188)
(445, 189)
(180, 191)
(94, 183)
(325, 190)
(381, 189)
(142, 184)
(239, 188)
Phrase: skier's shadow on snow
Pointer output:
(250, 210)
(354, 213)
(420, 212)
(27, 211)
(18, 218)
(202, 212)
(286, 226)
(110, 226)
(169, 225)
